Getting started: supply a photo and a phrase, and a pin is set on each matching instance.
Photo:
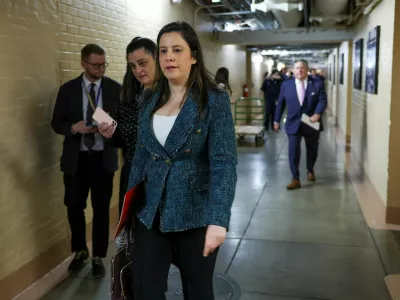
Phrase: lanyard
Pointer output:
(90, 98)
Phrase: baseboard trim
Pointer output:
(372, 206)
(38, 276)
(393, 285)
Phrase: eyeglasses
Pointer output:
(98, 66)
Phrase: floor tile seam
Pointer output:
(282, 295)
(244, 232)
(313, 210)
(308, 243)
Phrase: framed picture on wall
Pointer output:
(371, 72)
(341, 69)
(334, 70)
(358, 64)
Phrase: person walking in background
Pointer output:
(140, 71)
(270, 91)
(222, 80)
(304, 97)
(187, 160)
(87, 161)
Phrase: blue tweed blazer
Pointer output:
(192, 179)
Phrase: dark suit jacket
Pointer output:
(193, 177)
(68, 111)
(314, 102)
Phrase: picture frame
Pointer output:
(334, 70)
(341, 69)
(372, 61)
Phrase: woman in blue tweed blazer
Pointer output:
(186, 155)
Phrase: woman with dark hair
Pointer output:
(140, 71)
(186, 157)
(222, 80)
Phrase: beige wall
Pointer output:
(393, 199)
(41, 41)
(371, 113)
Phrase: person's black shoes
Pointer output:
(98, 268)
(78, 262)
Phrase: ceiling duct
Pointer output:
(288, 14)
(268, 5)
(329, 11)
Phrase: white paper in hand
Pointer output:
(306, 120)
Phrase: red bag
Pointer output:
(121, 262)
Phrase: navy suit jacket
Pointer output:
(68, 111)
(315, 102)
(192, 179)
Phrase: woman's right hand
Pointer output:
(106, 130)
(215, 236)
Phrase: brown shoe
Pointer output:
(311, 176)
(295, 184)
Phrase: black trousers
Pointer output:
(123, 183)
(312, 142)
(269, 112)
(92, 176)
(153, 255)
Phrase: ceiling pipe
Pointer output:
(338, 18)
(363, 3)
(196, 12)
(352, 4)
(306, 12)
(268, 5)
(230, 7)
(243, 12)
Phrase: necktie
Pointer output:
(302, 92)
(88, 138)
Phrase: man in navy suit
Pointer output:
(302, 95)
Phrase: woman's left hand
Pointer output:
(106, 130)
(215, 236)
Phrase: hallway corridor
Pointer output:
(312, 243)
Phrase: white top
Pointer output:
(162, 126)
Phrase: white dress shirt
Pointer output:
(298, 87)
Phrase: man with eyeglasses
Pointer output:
(87, 161)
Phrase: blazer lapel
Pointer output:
(294, 89)
(308, 91)
(147, 134)
(183, 125)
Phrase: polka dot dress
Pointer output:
(127, 118)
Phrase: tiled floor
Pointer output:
(311, 243)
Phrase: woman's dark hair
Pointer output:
(131, 87)
(274, 71)
(222, 76)
(199, 81)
